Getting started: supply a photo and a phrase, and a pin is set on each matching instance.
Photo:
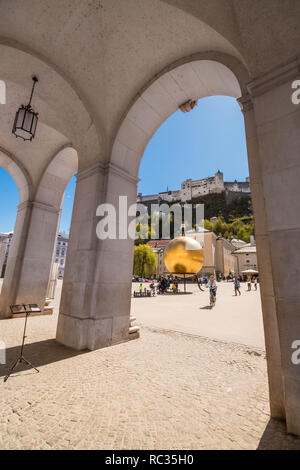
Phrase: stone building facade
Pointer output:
(246, 257)
(60, 254)
(191, 189)
(218, 253)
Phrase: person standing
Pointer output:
(237, 286)
(212, 285)
(255, 283)
(249, 283)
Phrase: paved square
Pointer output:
(167, 390)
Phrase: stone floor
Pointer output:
(166, 390)
(233, 319)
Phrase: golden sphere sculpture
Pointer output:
(184, 256)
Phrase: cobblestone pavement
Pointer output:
(233, 319)
(166, 390)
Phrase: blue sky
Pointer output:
(195, 145)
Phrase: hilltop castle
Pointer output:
(191, 189)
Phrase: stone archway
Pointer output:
(195, 78)
(95, 311)
(23, 181)
(31, 256)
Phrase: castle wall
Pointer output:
(191, 189)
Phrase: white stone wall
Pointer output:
(195, 188)
(246, 261)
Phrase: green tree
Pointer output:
(207, 224)
(144, 261)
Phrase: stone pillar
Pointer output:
(276, 193)
(269, 310)
(30, 258)
(96, 295)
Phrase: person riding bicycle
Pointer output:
(212, 286)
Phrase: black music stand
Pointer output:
(22, 309)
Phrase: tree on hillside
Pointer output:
(144, 261)
(240, 228)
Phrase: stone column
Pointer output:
(269, 309)
(30, 258)
(95, 304)
(277, 192)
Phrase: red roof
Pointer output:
(158, 243)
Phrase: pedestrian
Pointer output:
(152, 288)
(249, 283)
(237, 286)
(163, 285)
(212, 285)
(255, 283)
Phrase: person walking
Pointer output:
(249, 283)
(237, 286)
(212, 285)
(255, 283)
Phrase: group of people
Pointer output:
(165, 283)
(212, 285)
(170, 282)
(237, 284)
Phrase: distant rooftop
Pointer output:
(248, 248)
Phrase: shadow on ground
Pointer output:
(275, 437)
(39, 354)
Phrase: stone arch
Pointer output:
(194, 77)
(31, 253)
(56, 176)
(19, 174)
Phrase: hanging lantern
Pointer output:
(26, 119)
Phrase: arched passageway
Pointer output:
(95, 307)
(106, 107)
(22, 181)
(41, 168)
(37, 224)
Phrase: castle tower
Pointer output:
(219, 181)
